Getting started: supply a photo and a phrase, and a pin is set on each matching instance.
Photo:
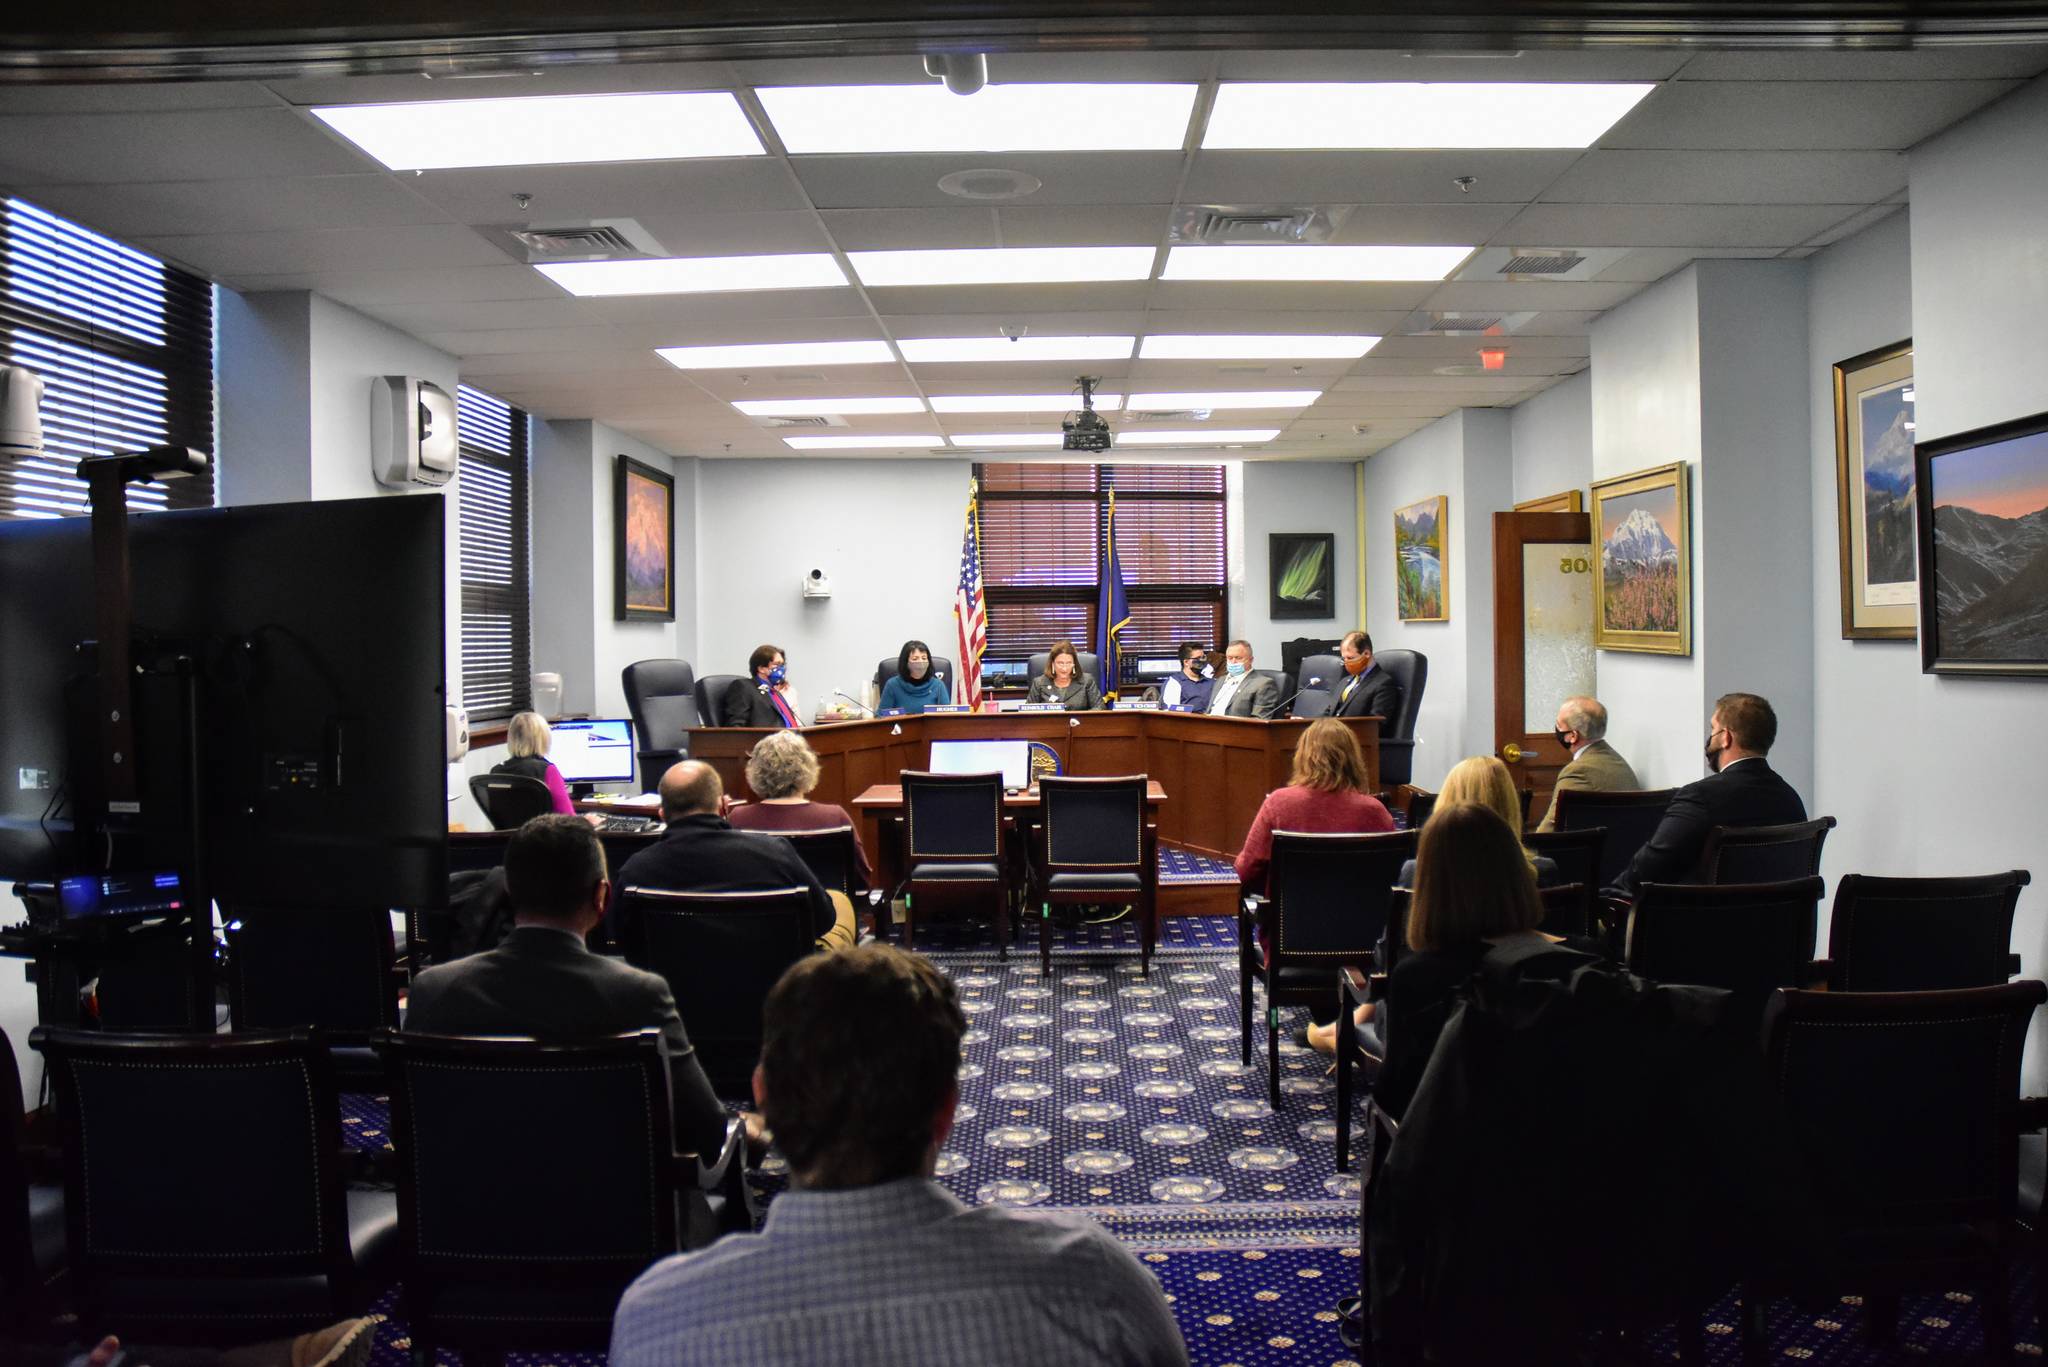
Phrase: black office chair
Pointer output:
(1086, 661)
(1295, 653)
(203, 1186)
(1095, 847)
(1577, 856)
(662, 696)
(721, 952)
(1630, 818)
(710, 692)
(1917, 1186)
(1315, 685)
(1922, 934)
(1763, 854)
(955, 848)
(331, 971)
(1410, 669)
(1750, 938)
(886, 670)
(511, 800)
(1326, 907)
(529, 1245)
(31, 1215)
(830, 854)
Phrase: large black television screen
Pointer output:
(318, 640)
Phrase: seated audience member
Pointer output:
(701, 852)
(544, 982)
(1595, 766)
(1741, 790)
(782, 769)
(915, 687)
(1189, 690)
(1325, 794)
(1241, 693)
(527, 738)
(1368, 690)
(765, 698)
(866, 1259)
(1064, 683)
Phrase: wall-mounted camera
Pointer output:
(816, 585)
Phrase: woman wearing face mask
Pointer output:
(764, 698)
(915, 687)
(1064, 683)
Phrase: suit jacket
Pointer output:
(703, 853)
(1597, 768)
(1257, 696)
(1079, 696)
(1746, 793)
(1376, 694)
(747, 704)
(546, 984)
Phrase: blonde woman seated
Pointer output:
(1482, 781)
(527, 738)
(1064, 683)
(782, 769)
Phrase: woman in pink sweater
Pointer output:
(1325, 794)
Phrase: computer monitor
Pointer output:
(597, 750)
(120, 894)
(1011, 757)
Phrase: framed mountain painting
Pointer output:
(1874, 486)
(1642, 580)
(1420, 593)
(1983, 523)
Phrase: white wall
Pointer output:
(1552, 437)
(1292, 496)
(265, 346)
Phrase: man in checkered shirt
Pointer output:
(866, 1259)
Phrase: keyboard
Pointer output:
(628, 825)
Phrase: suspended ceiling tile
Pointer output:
(185, 208)
(1023, 224)
(1649, 264)
(486, 315)
(511, 340)
(363, 287)
(1749, 177)
(1790, 115)
(1964, 62)
(974, 300)
(1415, 177)
(1449, 348)
(893, 182)
(612, 190)
(732, 313)
(570, 80)
(861, 230)
(764, 233)
(1423, 224)
(1671, 225)
(1587, 64)
(225, 144)
(1265, 296)
(1515, 296)
(232, 257)
(131, 97)
(1017, 68)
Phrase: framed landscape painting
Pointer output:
(1983, 522)
(1302, 568)
(1874, 487)
(643, 543)
(1642, 581)
(1419, 587)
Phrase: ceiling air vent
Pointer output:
(816, 420)
(1460, 324)
(1242, 223)
(596, 239)
(1168, 415)
(1542, 263)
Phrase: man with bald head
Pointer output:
(1595, 766)
(702, 853)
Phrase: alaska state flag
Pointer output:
(1112, 612)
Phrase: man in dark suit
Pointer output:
(702, 853)
(544, 982)
(1743, 790)
(1368, 690)
(761, 699)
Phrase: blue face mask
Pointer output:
(1234, 668)
(777, 675)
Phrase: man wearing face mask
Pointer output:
(765, 699)
(1367, 690)
(1595, 766)
(1741, 790)
(1241, 693)
(1189, 690)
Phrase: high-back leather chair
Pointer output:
(331, 971)
(1085, 661)
(1315, 685)
(1922, 934)
(886, 670)
(955, 847)
(1630, 818)
(1410, 669)
(662, 696)
(711, 697)
(203, 1186)
(1295, 653)
(1763, 854)
(510, 800)
(720, 952)
(1095, 847)
(1750, 938)
(1577, 856)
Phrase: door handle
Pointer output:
(1512, 753)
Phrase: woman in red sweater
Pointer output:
(1325, 794)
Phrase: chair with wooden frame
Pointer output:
(1630, 817)
(955, 847)
(1922, 934)
(1764, 854)
(1750, 938)
(1094, 846)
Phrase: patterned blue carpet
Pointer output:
(1122, 1097)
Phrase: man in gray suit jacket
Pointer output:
(1241, 693)
(1595, 766)
(544, 982)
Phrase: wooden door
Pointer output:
(1542, 640)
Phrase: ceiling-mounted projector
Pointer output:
(1084, 429)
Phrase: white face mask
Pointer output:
(920, 668)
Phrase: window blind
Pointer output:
(1041, 531)
(124, 346)
(496, 578)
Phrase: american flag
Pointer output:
(970, 609)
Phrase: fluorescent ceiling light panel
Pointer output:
(1312, 263)
(1414, 115)
(1022, 349)
(1020, 403)
(1197, 347)
(697, 274)
(1010, 439)
(1201, 437)
(1002, 265)
(547, 130)
(1232, 398)
(998, 118)
(805, 408)
(915, 441)
(776, 353)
